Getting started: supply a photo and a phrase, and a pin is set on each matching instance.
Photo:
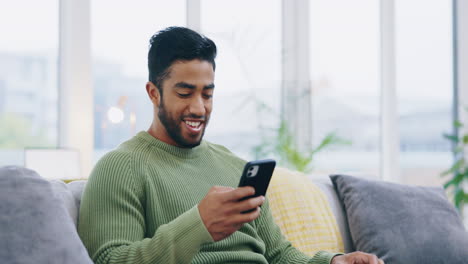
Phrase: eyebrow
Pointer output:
(193, 87)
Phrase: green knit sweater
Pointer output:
(140, 206)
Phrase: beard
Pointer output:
(174, 130)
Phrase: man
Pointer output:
(166, 195)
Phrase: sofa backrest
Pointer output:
(71, 195)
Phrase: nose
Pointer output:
(197, 106)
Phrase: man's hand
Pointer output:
(221, 210)
(356, 258)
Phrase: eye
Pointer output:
(183, 95)
(207, 96)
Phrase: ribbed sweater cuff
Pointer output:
(323, 257)
(189, 228)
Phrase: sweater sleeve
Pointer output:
(112, 220)
(278, 249)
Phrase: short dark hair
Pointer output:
(176, 44)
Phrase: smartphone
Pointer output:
(257, 174)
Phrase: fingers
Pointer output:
(221, 189)
(246, 218)
(248, 204)
(372, 259)
(237, 194)
(359, 257)
(221, 210)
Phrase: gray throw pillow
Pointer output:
(66, 197)
(35, 227)
(402, 224)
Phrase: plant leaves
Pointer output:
(456, 180)
(453, 138)
(329, 140)
(459, 198)
(455, 167)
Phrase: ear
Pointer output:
(153, 93)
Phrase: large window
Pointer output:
(248, 73)
(28, 77)
(345, 77)
(346, 89)
(120, 41)
(424, 88)
(345, 64)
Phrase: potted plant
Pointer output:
(458, 172)
(283, 147)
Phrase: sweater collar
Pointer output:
(174, 150)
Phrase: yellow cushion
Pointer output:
(302, 212)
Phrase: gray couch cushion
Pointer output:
(77, 188)
(66, 197)
(402, 224)
(34, 224)
(70, 195)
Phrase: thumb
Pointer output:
(221, 189)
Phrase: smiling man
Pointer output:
(167, 195)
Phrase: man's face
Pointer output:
(186, 102)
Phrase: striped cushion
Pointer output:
(302, 212)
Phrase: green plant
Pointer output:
(458, 172)
(283, 147)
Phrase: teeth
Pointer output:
(193, 124)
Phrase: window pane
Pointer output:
(345, 83)
(424, 82)
(120, 40)
(28, 77)
(248, 71)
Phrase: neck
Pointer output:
(158, 131)
(174, 150)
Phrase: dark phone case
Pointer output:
(261, 180)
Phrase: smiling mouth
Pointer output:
(194, 126)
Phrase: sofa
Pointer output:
(373, 216)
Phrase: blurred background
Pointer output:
(364, 87)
